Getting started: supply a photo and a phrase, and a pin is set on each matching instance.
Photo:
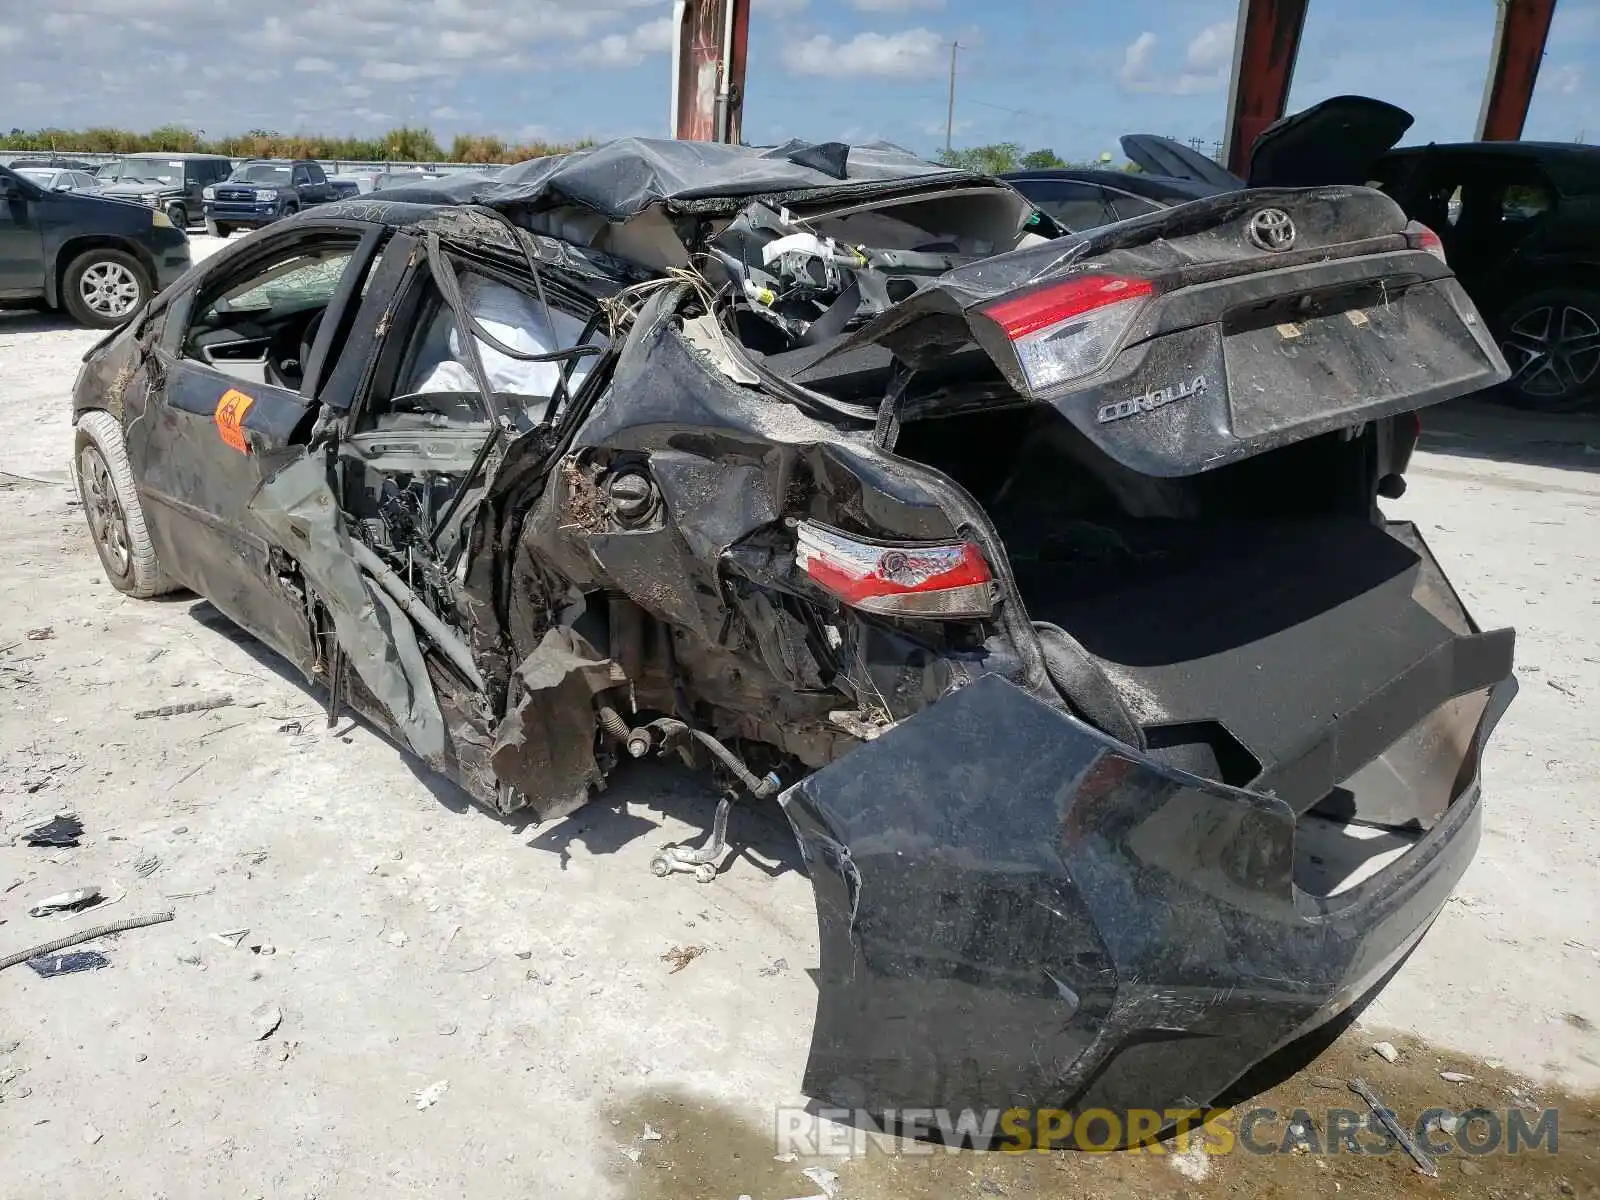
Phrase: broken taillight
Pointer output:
(1430, 241)
(1069, 330)
(898, 579)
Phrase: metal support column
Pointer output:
(709, 48)
(1266, 42)
(1521, 29)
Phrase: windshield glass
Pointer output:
(146, 170)
(44, 178)
(262, 173)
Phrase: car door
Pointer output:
(318, 189)
(229, 402)
(21, 243)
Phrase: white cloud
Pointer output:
(400, 72)
(894, 6)
(1206, 63)
(1566, 81)
(10, 36)
(629, 49)
(778, 8)
(317, 66)
(912, 52)
(450, 112)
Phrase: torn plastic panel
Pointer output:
(1017, 910)
(297, 507)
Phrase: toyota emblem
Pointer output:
(1271, 229)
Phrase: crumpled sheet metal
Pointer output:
(623, 178)
(297, 507)
(544, 747)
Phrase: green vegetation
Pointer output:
(398, 145)
(1010, 156)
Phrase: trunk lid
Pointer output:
(1268, 316)
(1163, 156)
(1337, 141)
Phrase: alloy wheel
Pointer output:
(1553, 352)
(109, 289)
(107, 523)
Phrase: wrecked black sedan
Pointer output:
(1040, 578)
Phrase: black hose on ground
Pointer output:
(1085, 686)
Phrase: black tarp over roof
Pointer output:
(623, 178)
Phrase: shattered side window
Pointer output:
(298, 281)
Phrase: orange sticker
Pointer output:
(230, 418)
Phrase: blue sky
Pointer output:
(1071, 75)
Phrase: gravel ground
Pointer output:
(406, 944)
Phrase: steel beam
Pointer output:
(1521, 29)
(710, 40)
(1266, 42)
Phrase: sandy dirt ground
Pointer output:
(547, 998)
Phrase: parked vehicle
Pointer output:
(172, 183)
(99, 259)
(259, 193)
(1518, 221)
(1041, 580)
(51, 161)
(57, 179)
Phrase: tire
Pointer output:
(179, 216)
(1551, 341)
(289, 210)
(111, 507)
(102, 288)
(218, 229)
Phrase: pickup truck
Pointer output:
(261, 192)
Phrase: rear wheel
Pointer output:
(1551, 340)
(111, 506)
(218, 228)
(103, 288)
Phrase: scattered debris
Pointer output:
(62, 830)
(146, 865)
(397, 938)
(83, 935)
(1470, 1168)
(264, 1021)
(1455, 1077)
(13, 885)
(91, 1135)
(1194, 1164)
(1326, 1083)
(254, 857)
(265, 949)
(48, 966)
(190, 958)
(1385, 1051)
(74, 901)
(630, 1153)
(448, 1028)
(192, 706)
(1578, 1021)
(825, 1179)
(1560, 687)
(429, 1096)
(681, 956)
(154, 654)
(291, 727)
(778, 966)
(649, 1135)
(1398, 1131)
(42, 634)
(191, 895)
(1445, 1124)
(785, 1158)
(231, 937)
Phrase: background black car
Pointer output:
(99, 259)
(260, 192)
(1519, 222)
(170, 182)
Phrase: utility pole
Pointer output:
(950, 112)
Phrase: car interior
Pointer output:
(260, 327)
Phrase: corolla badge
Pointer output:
(1271, 229)
(1151, 400)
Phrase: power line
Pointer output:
(950, 110)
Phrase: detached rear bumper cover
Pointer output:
(1018, 911)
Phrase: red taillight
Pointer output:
(905, 579)
(1021, 315)
(1066, 331)
(1430, 241)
